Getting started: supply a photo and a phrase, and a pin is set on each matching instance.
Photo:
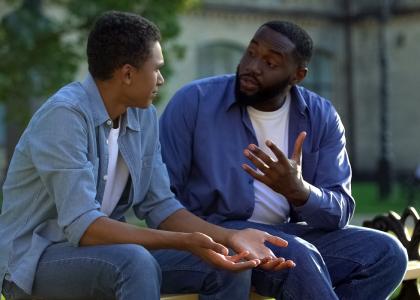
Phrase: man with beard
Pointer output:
(256, 150)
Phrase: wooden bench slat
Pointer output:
(253, 296)
(413, 270)
(179, 297)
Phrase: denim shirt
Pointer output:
(56, 178)
(203, 133)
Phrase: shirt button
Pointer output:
(105, 177)
(109, 122)
(107, 142)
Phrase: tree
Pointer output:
(41, 52)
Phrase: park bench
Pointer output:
(409, 236)
(252, 296)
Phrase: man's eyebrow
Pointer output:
(277, 52)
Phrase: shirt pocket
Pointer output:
(309, 165)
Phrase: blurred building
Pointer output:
(350, 38)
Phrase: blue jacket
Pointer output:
(203, 133)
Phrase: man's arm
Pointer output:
(324, 203)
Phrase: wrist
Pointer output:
(300, 196)
(228, 239)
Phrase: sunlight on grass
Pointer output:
(368, 201)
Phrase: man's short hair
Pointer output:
(119, 38)
(299, 37)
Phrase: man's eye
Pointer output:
(251, 53)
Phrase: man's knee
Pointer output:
(300, 251)
(392, 250)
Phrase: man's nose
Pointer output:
(254, 67)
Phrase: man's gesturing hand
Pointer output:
(283, 175)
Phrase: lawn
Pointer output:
(368, 200)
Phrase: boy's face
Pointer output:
(146, 79)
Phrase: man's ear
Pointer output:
(299, 75)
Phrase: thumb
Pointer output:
(208, 243)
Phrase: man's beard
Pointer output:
(262, 95)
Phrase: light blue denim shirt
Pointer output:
(56, 179)
(204, 131)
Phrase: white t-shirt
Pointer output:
(117, 174)
(270, 207)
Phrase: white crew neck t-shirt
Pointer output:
(270, 207)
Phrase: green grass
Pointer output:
(368, 201)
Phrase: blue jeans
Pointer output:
(351, 263)
(127, 272)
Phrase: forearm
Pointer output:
(185, 221)
(105, 231)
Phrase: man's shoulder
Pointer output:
(313, 101)
(212, 84)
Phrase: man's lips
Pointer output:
(248, 83)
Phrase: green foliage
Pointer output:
(35, 59)
(41, 52)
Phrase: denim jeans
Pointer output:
(127, 272)
(351, 263)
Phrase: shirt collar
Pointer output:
(296, 96)
(100, 115)
(99, 112)
(231, 99)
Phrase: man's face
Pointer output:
(266, 68)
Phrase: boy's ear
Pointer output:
(126, 73)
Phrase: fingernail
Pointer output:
(252, 147)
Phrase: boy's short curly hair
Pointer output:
(119, 38)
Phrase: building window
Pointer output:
(218, 58)
(319, 77)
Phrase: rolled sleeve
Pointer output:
(75, 230)
(162, 211)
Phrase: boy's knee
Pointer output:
(139, 262)
(219, 280)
